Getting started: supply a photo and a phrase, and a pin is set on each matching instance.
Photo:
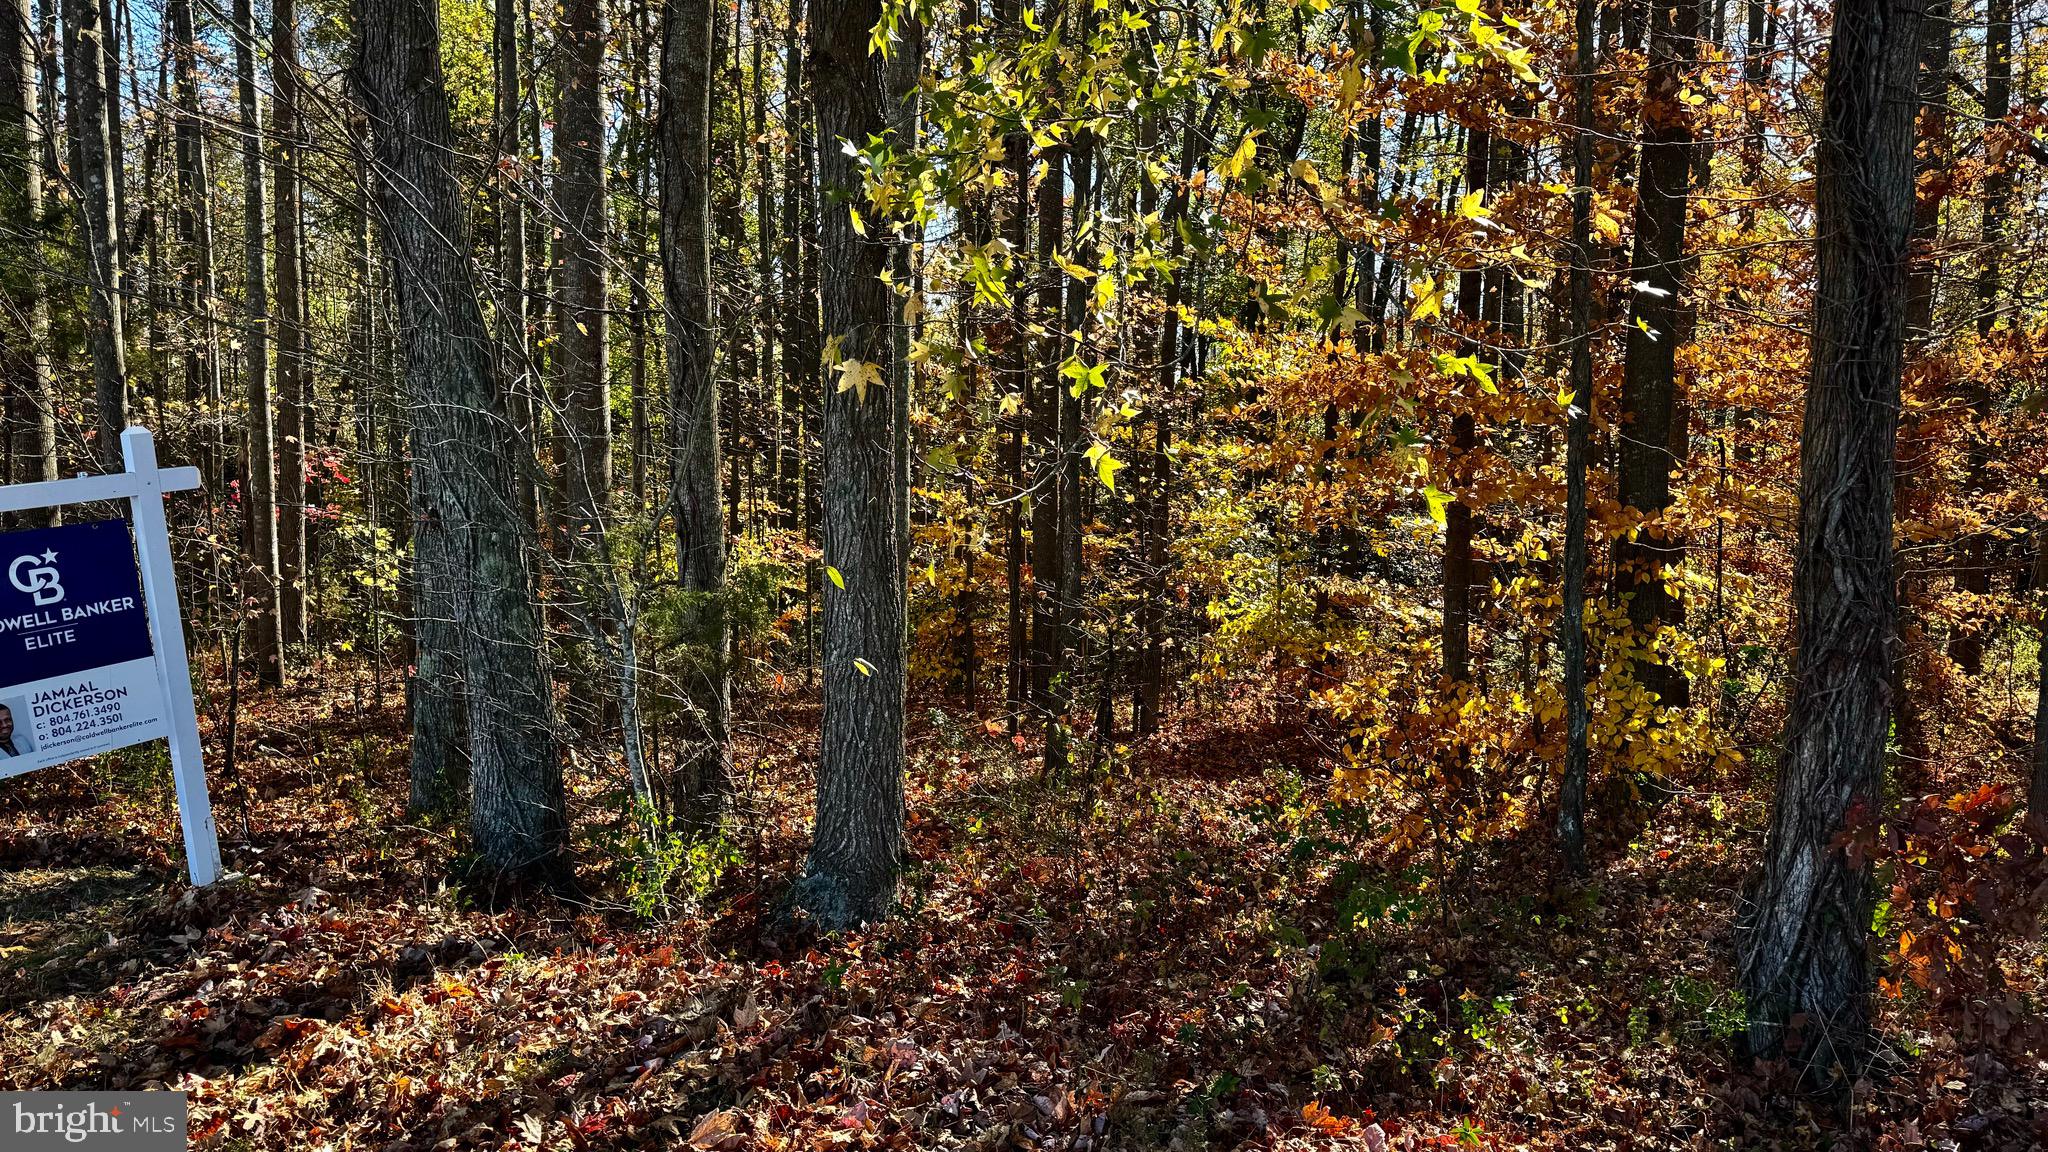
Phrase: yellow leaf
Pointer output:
(860, 226)
(833, 575)
(866, 669)
(856, 375)
(1429, 299)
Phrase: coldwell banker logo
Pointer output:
(37, 576)
(96, 1121)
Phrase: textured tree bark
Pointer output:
(1651, 424)
(857, 852)
(1932, 157)
(464, 462)
(294, 381)
(703, 779)
(438, 768)
(32, 410)
(1805, 926)
(1571, 627)
(584, 426)
(514, 129)
(88, 42)
(260, 578)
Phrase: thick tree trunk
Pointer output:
(294, 380)
(703, 776)
(1651, 424)
(464, 460)
(1805, 927)
(88, 44)
(260, 595)
(858, 848)
(1571, 627)
(32, 410)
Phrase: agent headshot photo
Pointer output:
(13, 741)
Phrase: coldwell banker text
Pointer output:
(109, 1121)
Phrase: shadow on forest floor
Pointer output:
(1193, 947)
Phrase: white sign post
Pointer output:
(84, 667)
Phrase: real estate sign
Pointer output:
(77, 674)
(92, 645)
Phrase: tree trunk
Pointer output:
(88, 42)
(1651, 426)
(294, 383)
(195, 223)
(1043, 404)
(1459, 568)
(697, 470)
(800, 310)
(464, 464)
(1571, 627)
(260, 595)
(32, 411)
(1068, 640)
(1805, 927)
(1973, 566)
(584, 428)
(2037, 791)
(514, 311)
(1932, 156)
(857, 852)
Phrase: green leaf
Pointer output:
(1439, 501)
(833, 575)
(1105, 470)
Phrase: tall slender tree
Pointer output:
(857, 847)
(1571, 627)
(89, 36)
(695, 459)
(1973, 568)
(584, 423)
(32, 409)
(1806, 920)
(294, 374)
(260, 574)
(1651, 416)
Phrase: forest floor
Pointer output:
(1151, 962)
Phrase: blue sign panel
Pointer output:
(69, 601)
